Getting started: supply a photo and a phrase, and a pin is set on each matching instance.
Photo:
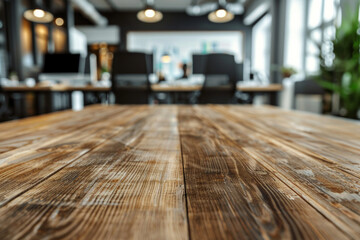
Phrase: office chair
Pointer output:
(130, 78)
(306, 94)
(4, 111)
(198, 63)
(220, 80)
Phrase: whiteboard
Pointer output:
(185, 43)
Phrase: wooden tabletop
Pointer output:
(155, 87)
(180, 172)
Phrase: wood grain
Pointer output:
(231, 195)
(180, 172)
(123, 188)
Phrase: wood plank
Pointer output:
(311, 138)
(22, 170)
(129, 187)
(230, 195)
(318, 182)
(31, 124)
(17, 140)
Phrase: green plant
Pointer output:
(286, 72)
(343, 75)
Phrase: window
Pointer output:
(261, 34)
(294, 35)
(321, 31)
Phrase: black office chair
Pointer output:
(4, 110)
(220, 80)
(130, 78)
(308, 88)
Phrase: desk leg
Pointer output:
(85, 97)
(4, 107)
(69, 95)
(49, 104)
(37, 103)
(273, 98)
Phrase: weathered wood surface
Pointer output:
(180, 172)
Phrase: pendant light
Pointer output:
(221, 15)
(149, 14)
(38, 14)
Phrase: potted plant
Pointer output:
(342, 76)
(287, 72)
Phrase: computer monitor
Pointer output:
(66, 68)
(62, 63)
(198, 63)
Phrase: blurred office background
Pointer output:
(66, 54)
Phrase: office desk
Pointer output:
(55, 88)
(154, 87)
(192, 88)
(272, 90)
(49, 91)
(171, 172)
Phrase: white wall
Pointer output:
(188, 42)
(108, 34)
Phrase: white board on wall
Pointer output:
(108, 34)
(188, 42)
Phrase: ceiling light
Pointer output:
(221, 15)
(149, 14)
(38, 15)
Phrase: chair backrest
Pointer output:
(308, 87)
(239, 71)
(220, 79)
(308, 96)
(198, 63)
(130, 78)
